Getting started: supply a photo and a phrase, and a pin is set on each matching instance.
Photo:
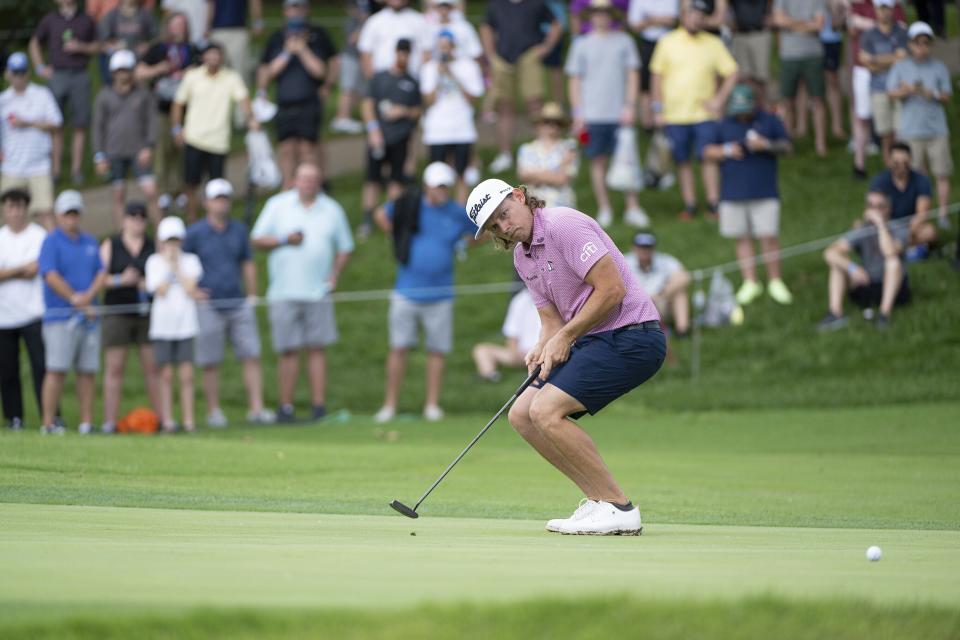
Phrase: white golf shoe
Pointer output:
(604, 519)
(585, 507)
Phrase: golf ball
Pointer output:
(874, 553)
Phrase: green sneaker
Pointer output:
(779, 292)
(748, 292)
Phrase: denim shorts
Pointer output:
(684, 136)
(604, 366)
(602, 139)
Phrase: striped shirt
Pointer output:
(26, 150)
(564, 246)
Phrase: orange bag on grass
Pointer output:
(141, 420)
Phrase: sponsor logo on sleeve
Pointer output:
(588, 250)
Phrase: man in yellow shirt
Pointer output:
(207, 93)
(692, 77)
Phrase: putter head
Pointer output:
(399, 507)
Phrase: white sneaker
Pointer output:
(501, 163)
(637, 218)
(386, 414)
(604, 218)
(108, 428)
(216, 419)
(605, 520)
(346, 125)
(264, 416)
(85, 428)
(432, 413)
(585, 507)
(667, 182)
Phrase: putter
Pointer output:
(412, 513)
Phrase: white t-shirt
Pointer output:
(196, 12)
(382, 30)
(465, 38)
(523, 321)
(21, 300)
(642, 9)
(662, 266)
(173, 316)
(449, 120)
(26, 151)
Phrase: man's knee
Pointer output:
(519, 417)
(543, 415)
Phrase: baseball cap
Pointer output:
(439, 174)
(703, 6)
(644, 240)
(294, 3)
(171, 227)
(69, 200)
(918, 29)
(404, 44)
(218, 188)
(136, 208)
(884, 3)
(741, 100)
(484, 199)
(122, 59)
(18, 62)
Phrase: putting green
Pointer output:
(61, 560)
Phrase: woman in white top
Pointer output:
(172, 277)
(549, 164)
(450, 86)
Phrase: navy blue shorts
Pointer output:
(684, 136)
(604, 366)
(602, 139)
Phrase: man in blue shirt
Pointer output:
(73, 275)
(910, 194)
(746, 143)
(423, 293)
(309, 240)
(229, 276)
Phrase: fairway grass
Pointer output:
(63, 561)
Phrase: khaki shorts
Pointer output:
(239, 323)
(528, 71)
(406, 316)
(936, 152)
(756, 218)
(40, 189)
(752, 53)
(298, 325)
(124, 330)
(886, 113)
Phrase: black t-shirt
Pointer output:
(181, 57)
(517, 25)
(397, 89)
(749, 14)
(295, 84)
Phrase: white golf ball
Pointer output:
(874, 553)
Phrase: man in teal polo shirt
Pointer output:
(423, 294)
(308, 237)
(73, 275)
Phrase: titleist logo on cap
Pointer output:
(475, 209)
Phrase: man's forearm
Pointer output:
(596, 309)
(250, 278)
(60, 286)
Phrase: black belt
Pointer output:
(649, 325)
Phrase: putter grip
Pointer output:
(530, 378)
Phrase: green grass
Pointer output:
(756, 524)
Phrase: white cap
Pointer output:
(218, 188)
(69, 200)
(122, 59)
(918, 29)
(484, 199)
(439, 174)
(171, 227)
(884, 3)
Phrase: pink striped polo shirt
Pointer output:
(564, 247)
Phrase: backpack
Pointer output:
(406, 223)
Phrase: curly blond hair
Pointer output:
(533, 203)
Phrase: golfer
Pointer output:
(600, 338)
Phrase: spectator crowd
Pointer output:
(689, 79)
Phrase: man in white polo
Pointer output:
(308, 237)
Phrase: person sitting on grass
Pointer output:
(522, 331)
(910, 198)
(172, 277)
(880, 278)
(663, 278)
